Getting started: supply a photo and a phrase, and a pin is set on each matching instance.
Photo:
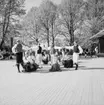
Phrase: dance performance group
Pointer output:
(31, 60)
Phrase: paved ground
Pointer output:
(69, 87)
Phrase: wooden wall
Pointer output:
(101, 45)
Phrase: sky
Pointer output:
(32, 3)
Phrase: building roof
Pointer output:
(98, 35)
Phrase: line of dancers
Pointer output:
(32, 60)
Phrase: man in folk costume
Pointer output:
(39, 56)
(76, 51)
(18, 50)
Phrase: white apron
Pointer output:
(39, 59)
(75, 57)
(53, 59)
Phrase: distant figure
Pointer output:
(96, 50)
(86, 53)
(18, 50)
(5, 54)
(76, 51)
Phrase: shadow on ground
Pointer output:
(66, 69)
(47, 71)
(90, 68)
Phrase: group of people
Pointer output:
(4, 54)
(31, 60)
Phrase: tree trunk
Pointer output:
(95, 11)
(71, 36)
(71, 30)
(53, 39)
(11, 42)
(1, 44)
(48, 37)
(5, 29)
(71, 33)
(5, 24)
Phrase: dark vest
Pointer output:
(39, 50)
(76, 49)
(18, 48)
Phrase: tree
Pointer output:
(53, 23)
(69, 11)
(95, 13)
(31, 26)
(47, 18)
(93, 21)
(10, 11)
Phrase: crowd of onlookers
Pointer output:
(90, 53)
(6, 53)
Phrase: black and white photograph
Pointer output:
(51, 52)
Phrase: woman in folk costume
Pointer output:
(52, 52)
(67, 60)
(54, 61)
(18, 50)
(76, 51)
(30, 64)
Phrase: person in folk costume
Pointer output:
(30, 64)
(76, 51)
(54, 61)
(18, 50)
(39, 56)
(67, 60)
(52, 52)
(45, 57)
(96, 51)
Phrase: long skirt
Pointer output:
(55, 67)
(19, 57)
(68, 63)
(30, 67)
(54, 59)
(75, 57)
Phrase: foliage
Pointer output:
(72, 19)
(10, 11)
(93, 21)
(31, 26)
(69, 15)
(47, 17)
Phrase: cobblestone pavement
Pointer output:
(69, 87)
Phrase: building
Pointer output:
(100, 37)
